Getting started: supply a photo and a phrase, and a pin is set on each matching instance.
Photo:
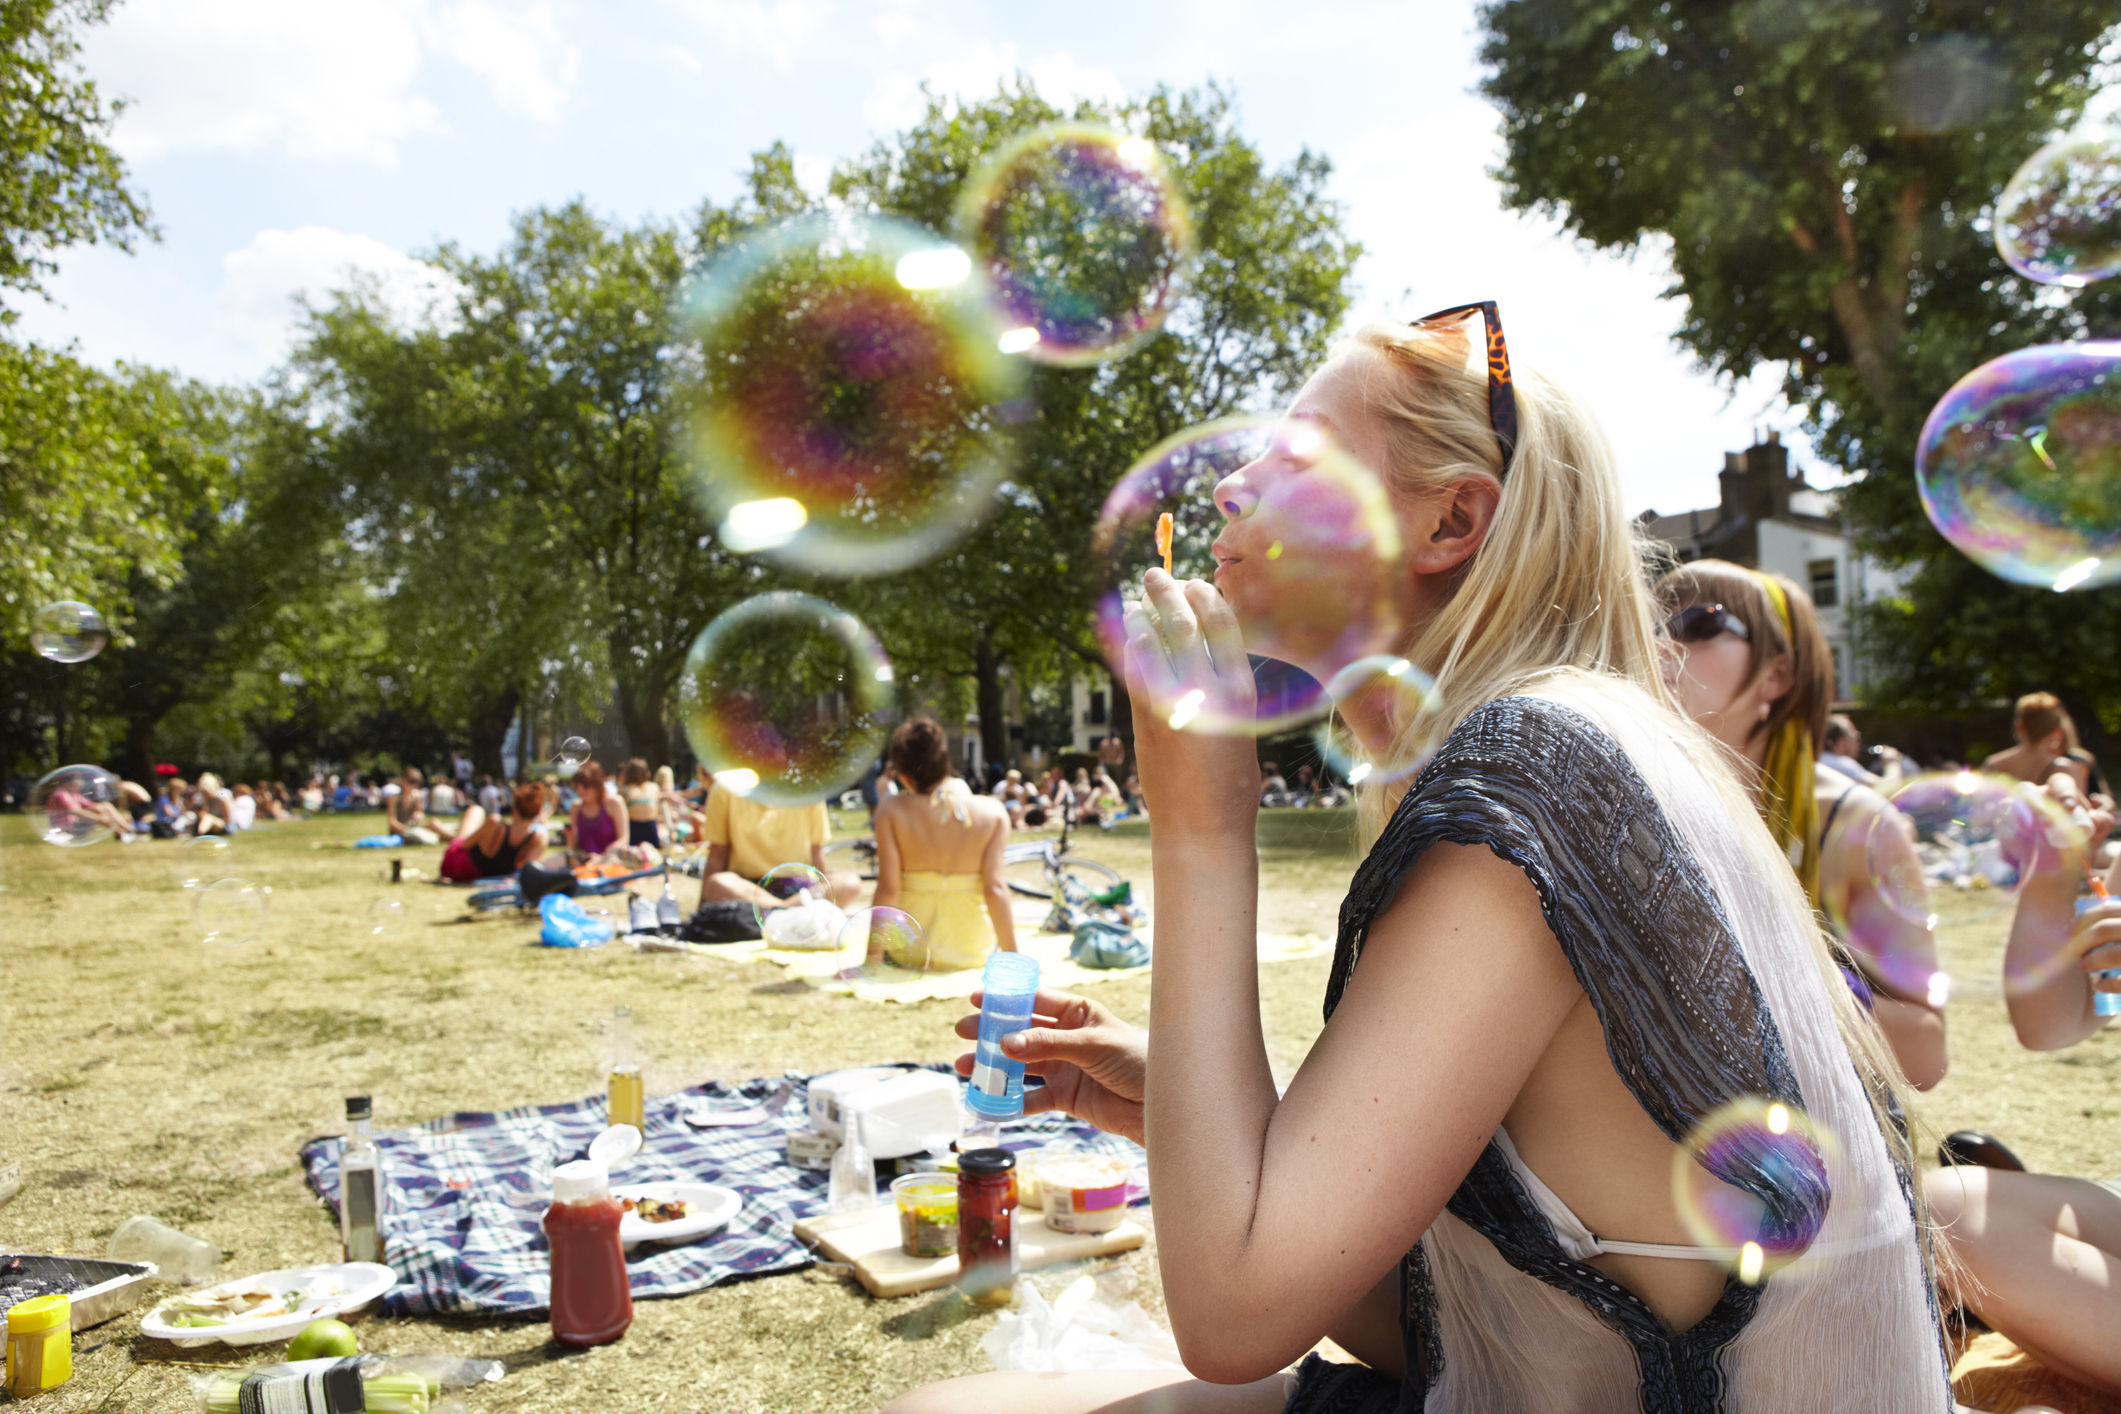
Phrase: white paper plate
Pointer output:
(334, 1289)
(706, 1209)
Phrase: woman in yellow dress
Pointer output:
(939, 859)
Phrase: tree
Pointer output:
(1823, 173)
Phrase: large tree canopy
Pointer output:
(1821, 173)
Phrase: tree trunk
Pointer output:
(993, 715)
(640, 702)
(139, 762)
(491, 713)
(1123, 717)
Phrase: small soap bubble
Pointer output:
(799, 884)
(1304, 548)
(75, 805)
(200, 858)
(904, 942)
(2019, 465)
(1384, 721)
(573, 752)
(1964, 835)
(68, 632)
(850, 410)
(384, 916)
(1752, 1182)
(2059, 219)
(787, 699)
(229, 911)
(1084, 234)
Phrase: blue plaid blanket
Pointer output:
(464, 1194)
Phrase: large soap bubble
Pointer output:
(2020, 465)
(1308, 566)
(1751, 1182)
(851, 405)
(2059, 219)
(1975, 836)
(202, 858)
(787, 699)
(68, 632)
(230, 911)
(75, 805)
(1084, 234)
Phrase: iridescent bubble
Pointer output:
(229, 911)
(902, 939)
(200, 858)
(1084, 234)
(2020, 465)
(573, 752)
(850, 410)
(1308, 564)
(384, 916)
(1384, 720)
(1751, 1181)
(76, 805)
(1872, 887)
(2059, 219)
(798, 883)
(68, 632)
(1973, 836)
(787, 699)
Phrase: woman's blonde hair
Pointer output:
(1559, 590)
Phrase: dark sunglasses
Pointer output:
(1701, 622)
(1502, 390)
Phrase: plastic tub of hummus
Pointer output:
(927, 1213)
(1083, 1194)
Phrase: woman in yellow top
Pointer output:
(939, 858)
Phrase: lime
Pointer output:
(323, 1340)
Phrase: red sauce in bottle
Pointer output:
(592, 1303)
(986, 1225)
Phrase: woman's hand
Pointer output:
(1095, 1066)
(1195, 702)
(2095, 943)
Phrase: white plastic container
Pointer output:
(1083, 1194)
(828, 1091)
(914, 1112)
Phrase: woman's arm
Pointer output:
(2052, 948)
(997, 885)
(1276, 1218)
(889, 867)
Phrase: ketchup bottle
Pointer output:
(592, 1302)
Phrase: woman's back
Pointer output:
(932, 840)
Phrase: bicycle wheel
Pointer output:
(1028, 876)
(864, 860)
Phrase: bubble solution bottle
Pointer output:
(1008, 986)
(627, 1100)
(2103, 1003)
(592, 1301)
(360, 1187)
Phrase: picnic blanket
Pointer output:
(464, 1194)
(1055, 967)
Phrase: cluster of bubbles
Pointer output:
(68, 632)
(2019, 464)
(1320, 590)
(787, 699)
(1751, 1182)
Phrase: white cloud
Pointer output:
(812, 171)
(256, 303)
(322, 79)
(778, 29)
(680, 57)
(521, 52)
(895, 99)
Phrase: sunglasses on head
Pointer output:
(1502, 388)
(1699, 623)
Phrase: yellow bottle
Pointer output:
(40, 1345)
(626, 1098)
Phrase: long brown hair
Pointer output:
(1811, 694)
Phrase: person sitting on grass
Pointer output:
(493, 847)
(939, 859)
(595, 824)
(745, 839)
(211, 804)
(405, 809)
(643, 805)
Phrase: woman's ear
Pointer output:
(1776, 678)
(1451, 524)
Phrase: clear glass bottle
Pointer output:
(627, 1101)
(360, 1187)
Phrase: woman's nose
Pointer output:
(1234, 496)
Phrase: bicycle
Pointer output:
(1026, 866)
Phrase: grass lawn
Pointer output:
(146, 1071)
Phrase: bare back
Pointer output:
(932, 841)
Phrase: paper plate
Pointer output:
(331, 1289)
(706, 1209)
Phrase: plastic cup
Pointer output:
(177, 1256)
(1009, 985)
(2103, 1003)
(927, 1213)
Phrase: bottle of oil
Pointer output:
(360, 1187)
(627, 1100)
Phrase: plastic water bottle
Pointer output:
(1009, 984)
(2103, 1003)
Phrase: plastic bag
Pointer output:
(1107, 945)
(810, 926)
(569, 925)
(1078, 1332)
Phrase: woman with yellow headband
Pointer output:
(1746, 660)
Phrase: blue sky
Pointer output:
(283, 141)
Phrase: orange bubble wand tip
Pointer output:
(1163, 539)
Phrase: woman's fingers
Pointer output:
(1219, 627)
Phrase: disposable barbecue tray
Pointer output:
(107, 1289)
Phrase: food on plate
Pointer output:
(240, 1303)
(655, 1210)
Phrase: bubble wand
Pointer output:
(1163, 539)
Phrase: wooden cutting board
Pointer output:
(869, 1242)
